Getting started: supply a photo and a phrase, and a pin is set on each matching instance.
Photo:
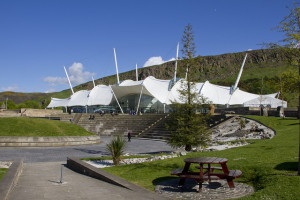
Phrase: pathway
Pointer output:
(55, 154)
(41, 181)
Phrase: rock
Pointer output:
(182, 153)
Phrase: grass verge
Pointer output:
(269, 166)
(2, 172)
(34, 127)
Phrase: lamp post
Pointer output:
(6, 103)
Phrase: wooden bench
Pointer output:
(206, 171)
(209, 175)
(212, 168)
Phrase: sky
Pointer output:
(39, 37)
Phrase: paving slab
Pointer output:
(42, 181)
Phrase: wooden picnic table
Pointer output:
(209, 173)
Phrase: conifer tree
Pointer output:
(188, 128)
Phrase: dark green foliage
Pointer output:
(11, 104)
(187, 128)
(117, 148)
(29, 104)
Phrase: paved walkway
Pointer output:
(55, 154)
(40, 181)
(42, 169)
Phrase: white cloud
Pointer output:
(50, 90)
(13, 88)
(156, 61)
(76, 75)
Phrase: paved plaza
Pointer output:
(42, 168)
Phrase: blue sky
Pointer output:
(39, 37)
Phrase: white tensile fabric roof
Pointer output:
(265, 101)
(79, 98)
(103, 95)
(100, 95)
(55, 102)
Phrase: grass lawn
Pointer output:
(2, 172)
(34, 127)
(268, 165)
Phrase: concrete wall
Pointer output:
(47, 141)
(10, 179)
(288, 112)
(29, 112)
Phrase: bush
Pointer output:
(116, 147)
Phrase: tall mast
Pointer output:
(176, 62)
(239, 76)
(69, 80)
(93, 81)
(116, 66)
(136, 73)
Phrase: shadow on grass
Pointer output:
(162, 179)
(293, 124)
(288, 166)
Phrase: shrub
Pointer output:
(116, 147)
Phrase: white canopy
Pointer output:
(55, 102)
(79, 98)
(265, 101)
(160, 89)
(100, 95)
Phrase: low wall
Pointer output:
(10, 179)
(29, 112)
(47, 141)
(288, 112)
(82, 167)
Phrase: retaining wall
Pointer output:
(47, 141)
(10, 179)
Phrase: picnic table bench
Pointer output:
(209, 173)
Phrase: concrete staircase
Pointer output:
(147, 126)
(157, 130)
(108, 125)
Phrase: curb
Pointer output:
(47, 141)
(81, 167)
(10, 179)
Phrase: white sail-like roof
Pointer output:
(79, 98)
(265, 101)
(159, 89)
(55, 102)
(100, 95)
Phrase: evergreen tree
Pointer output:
(188, 128)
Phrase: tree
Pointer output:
(188, 128)
(290, 26)
(29, 104)
(11, 104)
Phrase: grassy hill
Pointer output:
(33, 127)
(261, 74)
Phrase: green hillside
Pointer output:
(261, 74)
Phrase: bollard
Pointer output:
(61, 174)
